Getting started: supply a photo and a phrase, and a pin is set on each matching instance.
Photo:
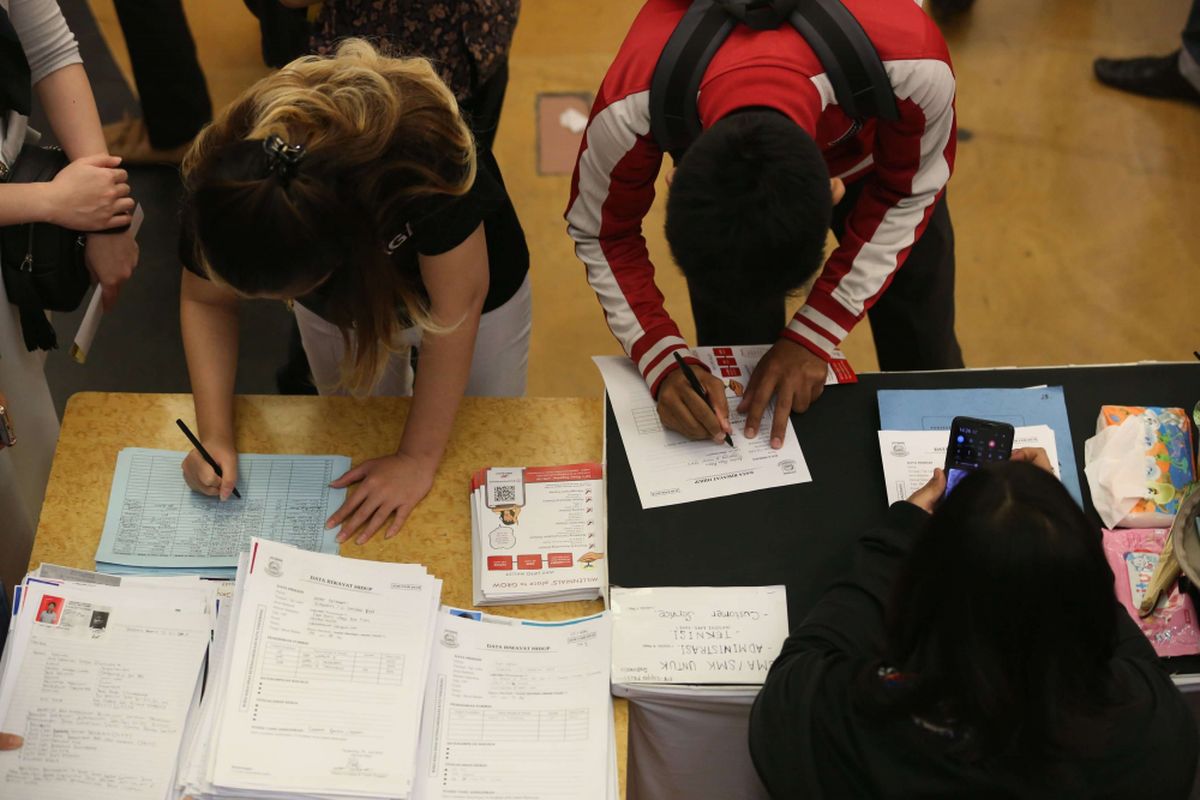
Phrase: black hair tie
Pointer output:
(282, 158)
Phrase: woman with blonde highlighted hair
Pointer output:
(351, 186)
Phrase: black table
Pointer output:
(803, 536)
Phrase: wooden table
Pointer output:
(488, 432)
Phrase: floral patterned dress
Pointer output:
(467, 40)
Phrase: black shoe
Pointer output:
(1152, 76)
(949, 10)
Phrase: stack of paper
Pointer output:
(708, 640)
(935, 410)
(518, 710)
(668, 468)
(316, 680)
(100, 680)
(157, 525)
(537, 534)
(910, 457)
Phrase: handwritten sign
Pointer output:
(697, 635)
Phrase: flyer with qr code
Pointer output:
(538, 534)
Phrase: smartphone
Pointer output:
(973, 443)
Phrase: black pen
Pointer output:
(697, 387)
(204, 454)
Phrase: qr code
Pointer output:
(504, 494)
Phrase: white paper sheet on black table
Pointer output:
(668, 468)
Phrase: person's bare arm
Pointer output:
(66, 96)
(208, 316)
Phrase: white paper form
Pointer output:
(668, 468)
(909, 457)
(155, 521)
(697, 634)
(101, 694)
(517, 712)
(326, 674)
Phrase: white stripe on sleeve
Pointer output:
(930, 84)
(611, 134)
(673, 343)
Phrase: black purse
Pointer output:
(43, 264)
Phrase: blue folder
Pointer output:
(935, 409)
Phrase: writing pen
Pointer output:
(204, 454)
(697, 387)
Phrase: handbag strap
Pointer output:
(36, 329)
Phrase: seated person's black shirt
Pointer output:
(810, 736)
(436, 225)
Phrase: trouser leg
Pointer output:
(912, 322)
(720, 321)
(170, 84)
(482, 108)
(500, 362)
(1189, 56)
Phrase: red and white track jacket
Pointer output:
(905, 163)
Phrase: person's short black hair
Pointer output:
(749, 207)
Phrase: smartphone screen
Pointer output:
(973, 443)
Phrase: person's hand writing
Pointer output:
(10, 741)
(794, 376)
(682, 410)
(111, 258)
(89, 194)
(201, 477)
(388, 485)
(927, 496)
(1033, 455)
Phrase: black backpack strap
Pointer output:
(674, 119)
(859, 80)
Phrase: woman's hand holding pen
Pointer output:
(391, 485)
(202, 478)
(682, 410)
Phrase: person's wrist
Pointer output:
(40, 197)
(424, 460)
(220, 440)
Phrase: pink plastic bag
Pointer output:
(1133, 554)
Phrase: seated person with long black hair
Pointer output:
(976, 650)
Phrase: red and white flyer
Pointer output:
(538, 534)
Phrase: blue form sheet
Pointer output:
(157, 525)
(935, 409)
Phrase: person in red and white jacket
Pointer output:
(755, 196)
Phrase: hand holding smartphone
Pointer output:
(974, 443)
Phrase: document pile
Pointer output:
(1039, 415)
(518, 710)
(156, 525)
(909, 457)
(100, 676)
(316, 680)
(698, 640)
(537, 534)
